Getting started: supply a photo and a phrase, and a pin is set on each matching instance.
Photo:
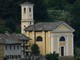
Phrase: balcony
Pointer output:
(27, 44)
(27, 50)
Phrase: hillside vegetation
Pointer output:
(44, 10)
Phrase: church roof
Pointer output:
(12, 38)
(46, 26)
(26, 3)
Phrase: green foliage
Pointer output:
(35, 49)
(53, 56)
(18, 30)
(5, 58)
(70, 1)
(58, 4)
(77, 58)
(40, 10)
(3, 29)
(11, 9)
(77, 52)
(75, 12)
(11, 25)
(59, 15)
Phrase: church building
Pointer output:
(49, 36)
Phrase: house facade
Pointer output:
(49, 36)
(13, 51)
(13, 46)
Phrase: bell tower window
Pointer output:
(29, 9)
(24, 10)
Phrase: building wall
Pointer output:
(27, 14)
(71, 46)
(67, 44)
(48, 46)
(51, 41)
(48, 42)
(65, 31)
(45, 44)
(41, 44)
(1, 52)
(26, 17)
(10, 51)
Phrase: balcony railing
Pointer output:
(25, 44)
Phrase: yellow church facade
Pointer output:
(51, 40)
(49, 36)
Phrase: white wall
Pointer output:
(13, 51)
(26, 18)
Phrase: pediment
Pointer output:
(63, 28)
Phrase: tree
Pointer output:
(70, 1)
(57, 4)
(35, 49)
(5, 58)
(75, 12)
(40, 10)
(11, 25)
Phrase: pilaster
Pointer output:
(52, 43)
(67, 46)
(72, 46)
(44, 43)
(58, 44)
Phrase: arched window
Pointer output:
(62, 39)
(39, 38)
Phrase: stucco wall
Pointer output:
(48, 42)
(67, 44)
(45, 45)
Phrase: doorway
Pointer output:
(62, 51)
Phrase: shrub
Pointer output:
(52, 56)
(35, 49)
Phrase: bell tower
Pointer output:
(26, 15)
